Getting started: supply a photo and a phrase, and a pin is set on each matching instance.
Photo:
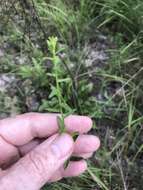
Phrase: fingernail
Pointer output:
(62, 146)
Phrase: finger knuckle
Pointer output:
(38, 163)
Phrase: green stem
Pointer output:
(59, 95)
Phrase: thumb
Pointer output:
(37, 167)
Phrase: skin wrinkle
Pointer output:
(7, 140)
(49, 163)
(38, 161)
(10, 174)
(43, 160)
(13, 158)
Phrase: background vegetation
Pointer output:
(99, 70)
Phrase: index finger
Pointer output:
(23, 128)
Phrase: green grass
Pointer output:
(123, 15)
(70, 21)
(61, 82)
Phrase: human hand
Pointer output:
(32, 152)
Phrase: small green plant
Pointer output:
(52, 45)
(53, 49)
